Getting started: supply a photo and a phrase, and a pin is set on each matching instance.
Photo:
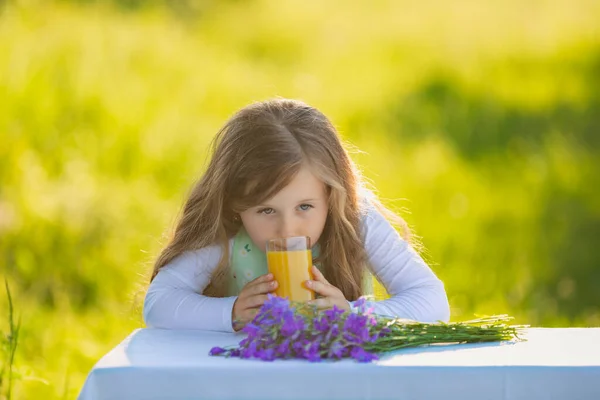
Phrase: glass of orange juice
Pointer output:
(290, 261)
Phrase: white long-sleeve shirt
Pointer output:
(174, 299)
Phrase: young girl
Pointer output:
(279, 169)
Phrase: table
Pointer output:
(174, 364)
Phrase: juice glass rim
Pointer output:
(285, 240)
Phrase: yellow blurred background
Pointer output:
(478, 121)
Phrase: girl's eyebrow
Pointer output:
(300, 201)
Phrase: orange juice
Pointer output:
(291, 269)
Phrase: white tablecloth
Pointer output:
(174, 364)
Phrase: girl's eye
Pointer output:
(305, 207)
(266, 211)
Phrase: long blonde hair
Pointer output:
(255, 155)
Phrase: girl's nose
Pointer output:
(288, 228)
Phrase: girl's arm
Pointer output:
(173, 300)
(416, 293)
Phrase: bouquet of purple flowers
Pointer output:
(284, 330)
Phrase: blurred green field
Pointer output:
(478, 121)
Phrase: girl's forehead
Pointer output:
(303, 185)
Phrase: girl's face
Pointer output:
(299, 209)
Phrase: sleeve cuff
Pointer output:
(228, 314)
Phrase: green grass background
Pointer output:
(478, 121)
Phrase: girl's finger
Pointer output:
(263, 278)
(318, 275)
(321, 303)
(255, 301)
(260, 288)
(323, 289)
(250, 314)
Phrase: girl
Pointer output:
(279, 169)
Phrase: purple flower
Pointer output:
(215, 351)
(266, 354)
(280, 331)
(276, 305)
(336, 350)
(360, 304)
(334, 314)
(321, 324)
(252, 330)
(269, 341)
(265, 320)
(384, 331)
(354, 322)
(284, 348)
(292, 324)
(373, 338)
(298, 346)
(300, 323)
(356, 328)
(311, 352)
(361, 355)
(289, 327)
(335, 330)
(249, 351)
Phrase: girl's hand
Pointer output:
(332, 296)
(250, 299)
